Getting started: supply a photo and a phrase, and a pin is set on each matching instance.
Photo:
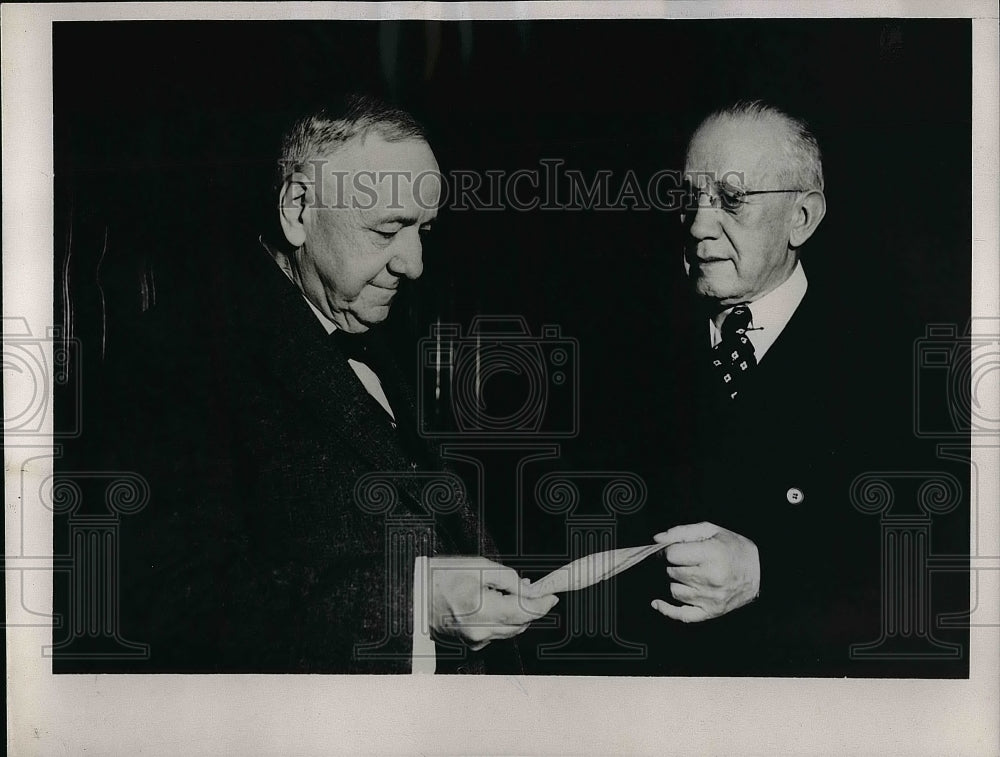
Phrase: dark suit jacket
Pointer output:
(261, 549)
(811, 417)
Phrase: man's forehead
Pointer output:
(372, 152)
(737, 151)
(373, 174)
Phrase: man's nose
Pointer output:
(409, 260)
(705, 224)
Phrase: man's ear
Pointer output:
(808, 214)
(294, 202)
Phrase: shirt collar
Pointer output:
(771, 313)
(282, 263)
(327, 324)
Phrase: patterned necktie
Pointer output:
(733, 357)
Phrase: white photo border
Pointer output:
(256, 714)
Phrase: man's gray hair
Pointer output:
(804, 162)
(321, 132)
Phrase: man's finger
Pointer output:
(688, 532)
(505, 630)
(684, 613)
(683, 593)
(515, 630)
(529, 609)
(513, 609)
(687, 553)
(501, 578)
(687, 576)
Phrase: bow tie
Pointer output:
(354, 346)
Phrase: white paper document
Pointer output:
(589, 570)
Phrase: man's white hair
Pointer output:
(321, 132)
(803, 167)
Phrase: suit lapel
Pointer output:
(309, 367)
(785, 373)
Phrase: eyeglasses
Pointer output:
(724, 196)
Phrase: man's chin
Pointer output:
(710, 289)
(369, 318)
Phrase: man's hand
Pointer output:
(713, 570)
(476, 600)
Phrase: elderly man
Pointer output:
(291, 526)
(763, 567)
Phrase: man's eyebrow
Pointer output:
(405, 220)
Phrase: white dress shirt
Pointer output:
(769, 314)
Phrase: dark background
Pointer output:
(165, 139)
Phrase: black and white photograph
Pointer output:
(636, 369)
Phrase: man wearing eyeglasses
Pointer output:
(759, 572)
